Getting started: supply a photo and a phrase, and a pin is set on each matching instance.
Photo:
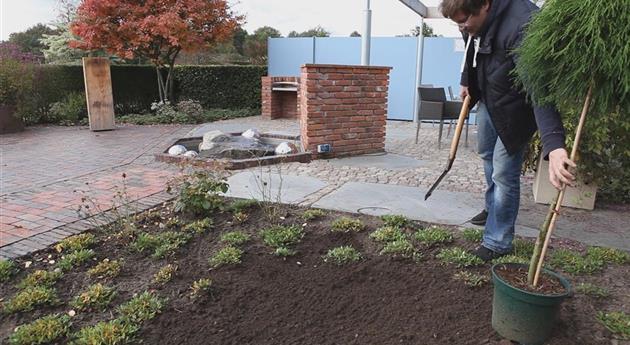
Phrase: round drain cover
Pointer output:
(374, 210)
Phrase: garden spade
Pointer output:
(463, 114)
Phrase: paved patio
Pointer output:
(47, 170)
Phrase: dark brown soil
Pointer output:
(517, 277)
(302, 300)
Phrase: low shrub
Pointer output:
(199, 226)
(40, 278)
(70, 110)
(342, 255)
(200, 287)
(106, 332)
(616, 322)
(474, 235)
(226, 256)
(235, 238)
(433, 236)
(471, 279)
(592, 290)
(106, 269)
(140, 308)
(76, 242)
(95, 297)
(313, 213)
(162, 244)
(44, 330)
(29, 298)
(282, 236)
(395, 220)
(346, 224)
(199, 194)
(74, 259)
(459, 257)
(388, 234)
(165, 274)
(402, 248)
(7, 269)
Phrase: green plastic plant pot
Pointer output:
(523, 316)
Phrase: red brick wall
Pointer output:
(279, 104)
(345, 106)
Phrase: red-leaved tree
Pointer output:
(156, 30)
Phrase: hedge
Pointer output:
(135, 86)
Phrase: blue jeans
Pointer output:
(502, 172)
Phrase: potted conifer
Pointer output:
(574, 55)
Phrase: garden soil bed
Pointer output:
(302, 300)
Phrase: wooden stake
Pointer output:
(556, 210)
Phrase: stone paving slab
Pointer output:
(267, 186)
(453, 208)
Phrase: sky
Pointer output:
(340, 17)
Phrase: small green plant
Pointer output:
(395, 220)
(95, 297)
(459, 257)
(106, 333)
(608, 255)
(523, 248)
(29, 298)
(200, 287)
(616, 322)
(142, 307)
(313, 213)
(165, 274)
(242, 205)
(284, 252)
(471, 279)
(282, 236)
(44, 330)
(239, 217)
(235, 238)
(473, 235)
(106, 269)
(162, 244)
(572, 262)
(388, 234)
(342, 255)
(592, 290)
(199, 226)
(7, 269)
(508, 259)
(40, 278)
(347, 224)
(226, 256)
(75, 258)
(199, 193)
(400, 248)
(433, 236)
(173, 222)
(70, 110)
(76, 242)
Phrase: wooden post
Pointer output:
(98, 93)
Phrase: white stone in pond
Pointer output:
(191, 154)
(177, 150)
(284, 148)
(212, 137)
(251, 133)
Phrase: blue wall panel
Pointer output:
(400, 54)
(286, 55)
(441, 62)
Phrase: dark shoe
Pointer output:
(486, 254)
(480, 219)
